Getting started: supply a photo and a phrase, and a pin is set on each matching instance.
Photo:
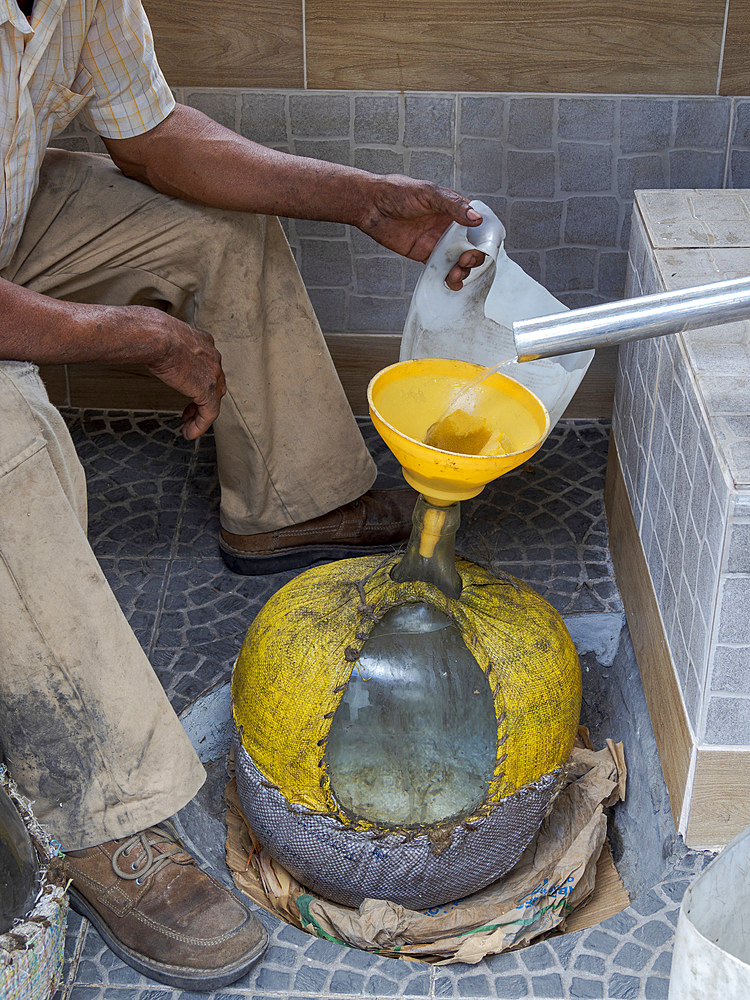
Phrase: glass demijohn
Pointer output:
(413, 740)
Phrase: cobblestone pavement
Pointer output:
(153, 526)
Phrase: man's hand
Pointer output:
(188, 361)
(410, 216)
(38, 328)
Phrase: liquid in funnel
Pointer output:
(463, 432)
(406, 398)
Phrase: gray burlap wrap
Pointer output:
(322, 853)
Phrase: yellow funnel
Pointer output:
(405, 399)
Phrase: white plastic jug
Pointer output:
(711, 958)
(476, 323)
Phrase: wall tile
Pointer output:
(318, 116)
(645, 124)
(739, 454)
(738, 555)
(534, 225)
(579, 300)
(376, 315)
(741, 136)
(432, 166)
(702, 123)
(563, 47)
(379, 276)
(692, 696)
(592, 221)
(697, 652)
(570, 268)
(656, 562)
(530, 122)
(379, 161)
(739, 162)
(305, 227)
(734, 613)
(498, 205)
(725, 394)
(363, 244)
(696, 168)
(722, 353)
(252, 44)
(611, 274)
(548, 165)
(530, 261)
(325, 262)
(531, 174)
(220, 105)
(626, 216)
(480, 168)
(701, 491)
(639, 245)
(642, 412)
(376, 119)
(585, 166)
(412, 273)
(429, 121)
(587, 118)
(648, 536)
(728, 721)
(263, 117)
(731, 673)
(332, 150)
(739, 168)
(330, 308)
(641, 172)
(482, 116)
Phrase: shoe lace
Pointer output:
(148, 861)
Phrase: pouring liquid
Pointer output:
(462, 432)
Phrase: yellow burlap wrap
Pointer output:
(299, 653)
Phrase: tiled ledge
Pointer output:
(682, 433)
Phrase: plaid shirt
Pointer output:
(95, 56)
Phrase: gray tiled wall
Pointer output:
(559, 170)
(727, 719)
(693, 515)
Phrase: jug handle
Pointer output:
(488, 237)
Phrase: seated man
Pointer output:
(166, 253)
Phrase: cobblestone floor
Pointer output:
(153, 526)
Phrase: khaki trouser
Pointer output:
(86, 728)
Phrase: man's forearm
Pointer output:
(192, 157)
(48, 331)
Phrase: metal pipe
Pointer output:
(632, 319)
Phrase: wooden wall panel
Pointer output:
(601, 46)
(228, 43)
(735, 70)
(720, 806)
(596, 393)
(357, 358)
(674, 739)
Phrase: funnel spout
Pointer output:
(632, 319)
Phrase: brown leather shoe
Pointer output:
(160, 913)
(377, 520)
